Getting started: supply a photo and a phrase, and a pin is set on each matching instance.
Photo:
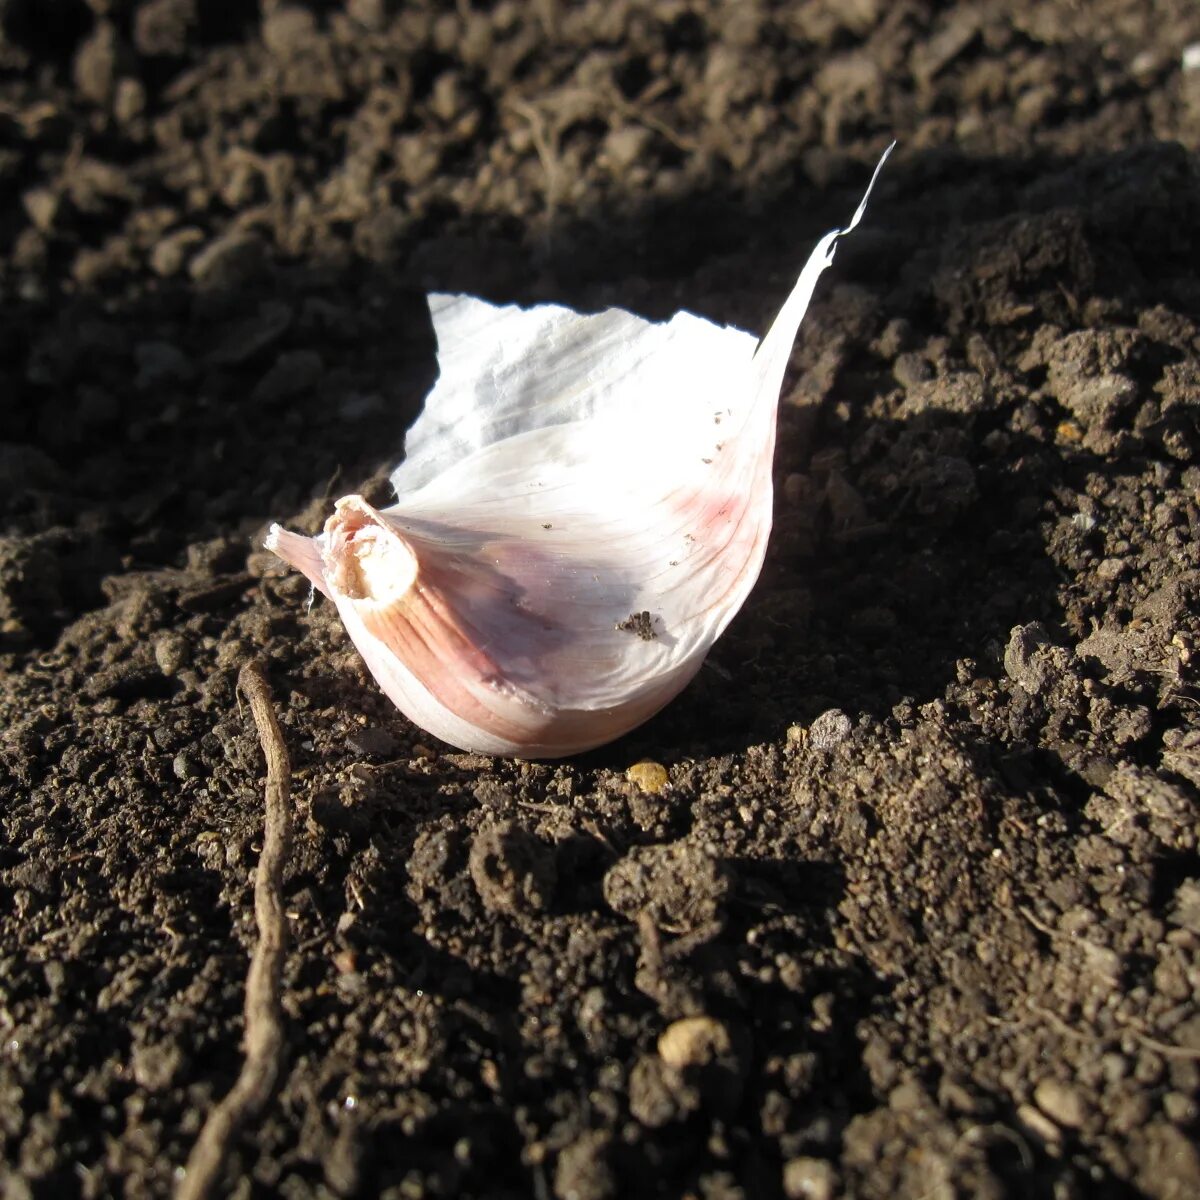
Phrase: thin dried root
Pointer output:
(263, 1010)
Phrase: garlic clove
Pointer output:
(583, 507)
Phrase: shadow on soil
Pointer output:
(138, 429)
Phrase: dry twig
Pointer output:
(263, 1010)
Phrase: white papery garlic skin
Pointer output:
(583, 507)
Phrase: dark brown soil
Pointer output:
(918, 913)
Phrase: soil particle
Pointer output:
(248, 337)
(97, 63)
(228, 262)
(343, 1163)
(809, 1179)
(293, 372)
(171, 253)
(1168, 1164)
(373, 743)
(161, 27)
(640, 624)
(1185, 911)
(512, 870)
(31, 582)
(829, 729)
(433, 861)
(583, 1170)
(659, 1094)
(287, 29)
(1060, 1102)
(171, 652)
(681, 887)
(157, 1065)
(1029, 658)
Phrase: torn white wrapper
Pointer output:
(583, 507)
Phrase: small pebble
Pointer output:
(693, 1042)
(171, 653)
(42, 207)
(1060, 1102)
(372, 743)
(809, 1179)
(186, 767)
(829, 729)
(1039, 1124)
(650, 777)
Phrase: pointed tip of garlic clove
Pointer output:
(302, 553)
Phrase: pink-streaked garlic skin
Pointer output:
(567, 473)
(467, 672)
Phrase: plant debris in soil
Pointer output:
(901, 898)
